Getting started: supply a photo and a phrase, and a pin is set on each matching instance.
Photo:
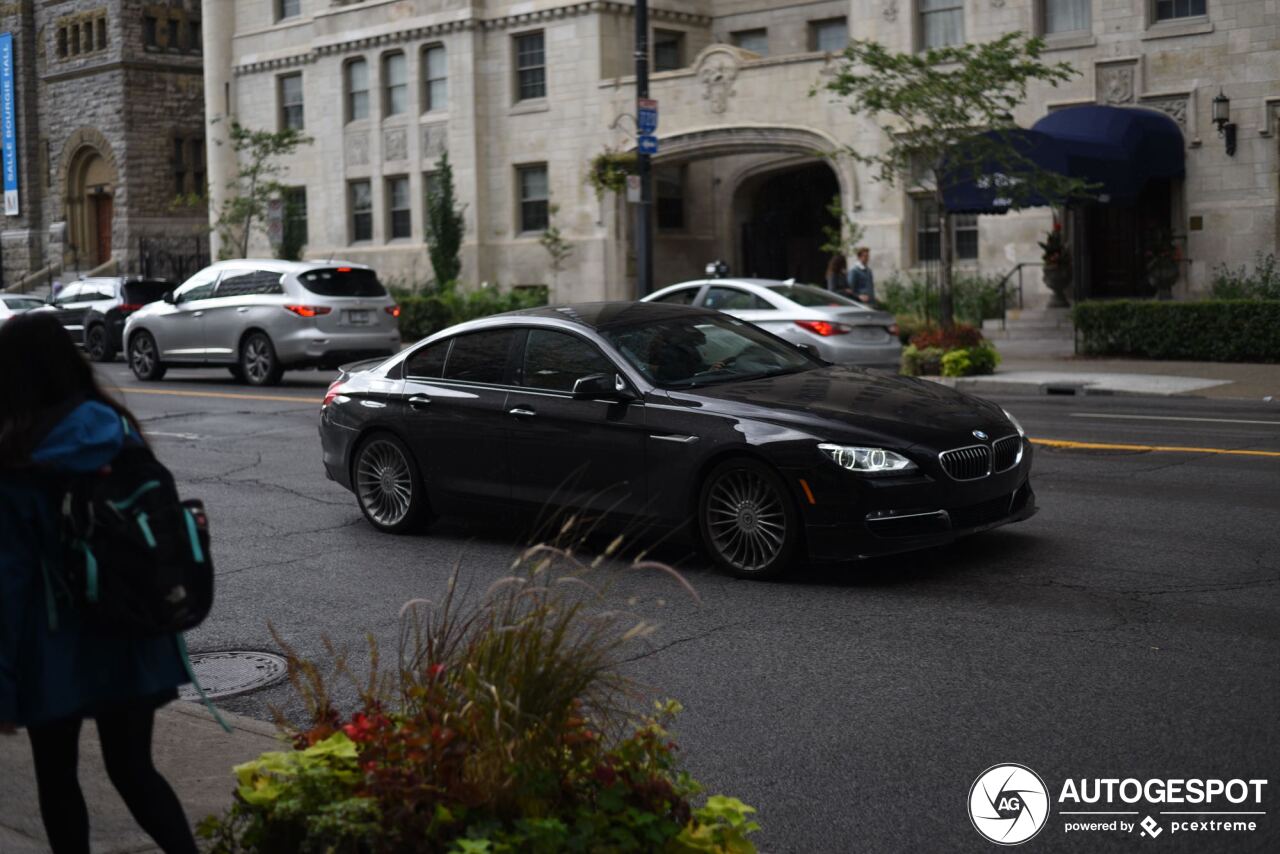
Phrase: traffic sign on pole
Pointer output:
(633, 189)
(647, 144)
(647, 115)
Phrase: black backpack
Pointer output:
(136, 557)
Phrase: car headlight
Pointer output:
(866, 459)
(1015, 423)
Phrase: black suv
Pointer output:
(93, 310)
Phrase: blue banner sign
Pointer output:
(8, 126)
(647, 144)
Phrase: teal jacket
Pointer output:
(52, 667)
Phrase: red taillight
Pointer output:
(344, 269)
(309, 310)
(894, 330)
(824, 328)
(331, 393)
(393, 310)
(130, 306)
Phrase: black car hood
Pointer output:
(853, 401)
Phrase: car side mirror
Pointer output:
(50, 298)
(602, 387)
(170, 298)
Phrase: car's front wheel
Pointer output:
(144, 357)
(98, 343)
(388, 486)
(748, 522)
(258, 360)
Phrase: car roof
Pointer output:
(275, 265)
(603, 315)
(736, 280)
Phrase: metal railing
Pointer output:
(1004, 288)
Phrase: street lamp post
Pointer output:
(644, 223)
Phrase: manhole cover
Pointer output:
(226, 674)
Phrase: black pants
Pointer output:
(125, 733)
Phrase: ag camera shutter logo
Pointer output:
(1008, 804)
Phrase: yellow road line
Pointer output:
(222, 394)
(1108, 446)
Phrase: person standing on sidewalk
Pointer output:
(837, 274)
(55, 672)
(861, 282)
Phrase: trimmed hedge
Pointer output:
(1206, 331)
(425, 314)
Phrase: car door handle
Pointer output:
(197, 314)
(521, 412)
(419, 401)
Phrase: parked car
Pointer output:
(839, 329)
(677, 416)
(258, 318)
(94, 310)
(11, 306)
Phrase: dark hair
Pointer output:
(837, 264)
(46, 376)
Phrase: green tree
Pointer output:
(933, 107)
(445, 226)
(258, 154)
(553, 241)
(843, 237)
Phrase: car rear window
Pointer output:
(22, 303)
(812, 297)
(141, 293)
(343, 282)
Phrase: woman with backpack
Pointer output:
(55, 670)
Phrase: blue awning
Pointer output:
(1119, 149)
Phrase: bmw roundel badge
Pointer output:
(978, 434)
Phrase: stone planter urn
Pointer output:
(1161, 275)
(1058, 279)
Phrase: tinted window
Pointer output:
(199, 286)
(69, 293)
(811, 297)
(556, 360)
(240, 284)
(343, 282)
(428, 361)
(684, 296)
(141, 293)
(22, 303)
(94, 293)
(733, 299)
(480, 357)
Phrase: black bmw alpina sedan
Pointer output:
(673, 416)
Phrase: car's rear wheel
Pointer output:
(748, 522)
(388, 486)
(144, 357)
(98, 344)
(258, 360)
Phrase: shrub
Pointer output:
(423, 314)
(1263, 283)
(970, 361)
(505, 727)
(976, 297)
(922, 362)
(1211, 330)
(909, 325)
(959, 335)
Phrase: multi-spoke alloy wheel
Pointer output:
(98, 345)
(387, 486)
(258, 361)
(747, 520)
(144, 357)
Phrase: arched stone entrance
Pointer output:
(89, 180)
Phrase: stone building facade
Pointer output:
(523, 94)
(109, 107)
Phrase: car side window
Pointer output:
(93, 293)
(480, 357)
(199, 286)
(683, 296)
(733, 299)
(556, 360)
(249, 282)
(427, 362)
(70, 293)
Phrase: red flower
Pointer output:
(434, 671)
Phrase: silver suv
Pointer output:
(259, 317)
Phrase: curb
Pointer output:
(236, 722)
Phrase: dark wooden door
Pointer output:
(102, 215)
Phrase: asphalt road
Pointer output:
(1131, 629)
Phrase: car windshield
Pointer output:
(343, 282)
(22, 303)
(141, 293)
(810, 296)
(685, 352)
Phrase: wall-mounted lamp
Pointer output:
(1222, 118)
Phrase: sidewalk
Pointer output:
(190, 749)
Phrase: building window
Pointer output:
(295, 216)
(430, 185)
(291, 102)
(357, 74)
(179, 167)
(174, 25)
(1066, 16)
(941, 23)
(531, 69)
(829, 36)
(101, 26)
(62, 42)
(669, 184)
(668, 50)
(74, 38)
(756, 41)
(399, 211)
(1167, 10)
(964, 233)
(395, 84)
(288, 9)
(195, 38)
(197, 166)
(533, 197)
(435, 80)
(361, 201)
(150, 31)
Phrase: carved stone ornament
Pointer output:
(718, 67)
(890, 10)
(1175, 108)
(435, 141)
(1117, 84)
(395, 144)
(357, 149)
